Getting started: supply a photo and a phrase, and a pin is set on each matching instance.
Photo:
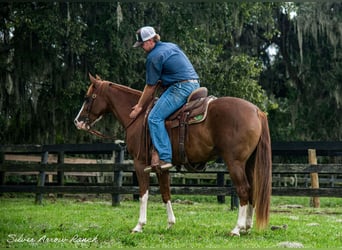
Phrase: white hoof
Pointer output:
(235, 232)
(245, 231)
(135, 231)
(138, 228)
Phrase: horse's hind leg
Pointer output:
(245, 220)
(249, 219)
(164, 184)
(239, 178)
(250, 208)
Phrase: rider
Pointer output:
(165, 63)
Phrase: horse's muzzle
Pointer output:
(81, 125)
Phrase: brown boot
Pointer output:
(154, 158)
(154, 161)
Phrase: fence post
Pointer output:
(60, 174)
(2, 173)
(220, 183)
(117, 181)
(314, 201)
(41, 177)
(234, 199)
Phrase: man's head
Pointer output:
(146, 37)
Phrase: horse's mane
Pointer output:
(124, 88)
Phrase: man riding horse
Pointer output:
(167, 64)
(230, 128)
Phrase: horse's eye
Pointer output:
(86, 99)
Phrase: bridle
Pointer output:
(87, 120)
(90, 100)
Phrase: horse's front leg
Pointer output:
(164, 184)
(144, 183)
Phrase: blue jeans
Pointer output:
(171, 100)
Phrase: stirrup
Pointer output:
(148, 169)
(162, 165)
(166, 166)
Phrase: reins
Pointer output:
(99, 134)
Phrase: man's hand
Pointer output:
(135, 111)
(145, 98)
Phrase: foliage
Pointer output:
(48, 48)
(305, 76)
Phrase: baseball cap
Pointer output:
(144, 34)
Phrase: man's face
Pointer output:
(148, 45)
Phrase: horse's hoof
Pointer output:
(245, 231)
(138, 228)
(134, 231)
(235, 232)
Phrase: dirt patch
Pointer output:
(288, 244)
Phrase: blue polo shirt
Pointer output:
(168, 63)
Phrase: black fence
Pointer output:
(124, 180)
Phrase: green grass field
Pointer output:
(200, 223)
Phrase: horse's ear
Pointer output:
(98, 77)
(93, 80)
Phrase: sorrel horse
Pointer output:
(234, 129)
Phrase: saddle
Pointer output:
(192, 112)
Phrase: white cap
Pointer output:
(144, 34)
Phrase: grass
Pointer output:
(201, 223)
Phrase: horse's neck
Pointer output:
(122, 100)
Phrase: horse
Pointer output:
(234, 129)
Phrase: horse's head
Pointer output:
(94, 105)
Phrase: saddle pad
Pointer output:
(196, 112)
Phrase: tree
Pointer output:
(47, 50)
(306, 73)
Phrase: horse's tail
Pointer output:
(262, 180)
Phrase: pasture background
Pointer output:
(200, 223)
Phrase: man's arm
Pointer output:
(145, 98)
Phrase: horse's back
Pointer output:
(233, 112)
(234, 124)
(231, 125)
(233, 106)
